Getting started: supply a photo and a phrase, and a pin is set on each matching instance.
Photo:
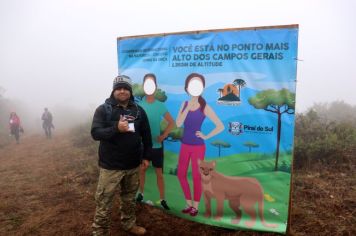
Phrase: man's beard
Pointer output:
(122, 101)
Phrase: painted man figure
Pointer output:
(155, 110)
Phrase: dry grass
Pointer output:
(47, 188)
(324, 202)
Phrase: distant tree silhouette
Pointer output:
(220, 144)
(251, 145)
(220, 90)
(239, 83)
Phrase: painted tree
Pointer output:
(173, 171)
(138, 92)
(175, 135)
(220, 144)
(220, 90)
(251, 145)
(239, 83)
(279, 102)
(160, 95)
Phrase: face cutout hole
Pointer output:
(149, 86)
(195, 87)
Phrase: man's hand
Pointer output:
(145, 163)
(161, 138)
(123, 124)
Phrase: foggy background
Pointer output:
(62, 54)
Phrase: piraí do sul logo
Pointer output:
(235, 128)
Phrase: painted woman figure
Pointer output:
(192, 114)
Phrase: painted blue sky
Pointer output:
(258, 74)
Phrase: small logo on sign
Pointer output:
(235, 128)
(230, 94)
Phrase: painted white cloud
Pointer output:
(136, 74)
(172, 89)
(229, 77)
(217, 78)
(253, 80)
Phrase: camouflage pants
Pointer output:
(126, 182)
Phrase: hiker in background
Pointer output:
(15, 126)
(155, 110)
(47, 122)
(122, 128)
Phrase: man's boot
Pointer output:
(137, 230)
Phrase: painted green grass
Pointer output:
(259, 166)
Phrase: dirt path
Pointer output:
(36, 196)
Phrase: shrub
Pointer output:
(81, 138)
(322, 141)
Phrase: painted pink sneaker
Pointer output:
(193, 211)
(187, 210)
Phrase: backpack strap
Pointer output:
(138, 111)
(108, 111)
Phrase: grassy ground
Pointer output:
(47, 188)
(275, 184)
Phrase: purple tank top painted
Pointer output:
(192, 124)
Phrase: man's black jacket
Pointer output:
(121, 151)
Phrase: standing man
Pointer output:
(155, 110)
(122, 127)
(47, 122)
